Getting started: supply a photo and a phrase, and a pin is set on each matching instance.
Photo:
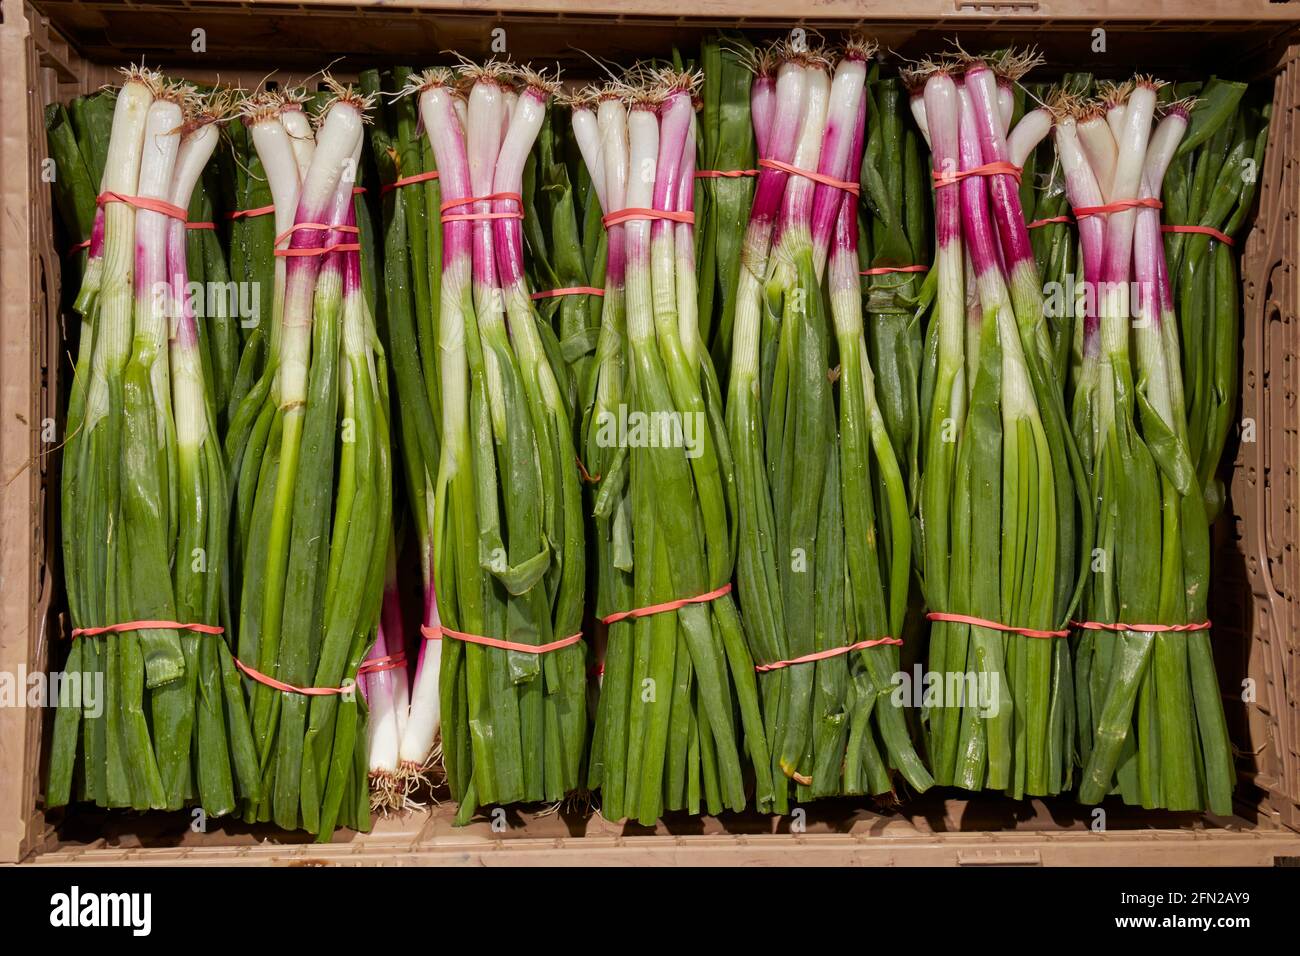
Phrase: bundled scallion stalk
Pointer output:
(413, 253)
(161, 720)
(508, 549)
(676, 665)
(823, 579)
(1151, 718)
(1004, 515)
(315, 483)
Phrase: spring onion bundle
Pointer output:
(1151, 717)
(676, 666)
(1003, 514)
(315, 481)
(509, 556)
(824, 600)
(412, 269)
(144, 493)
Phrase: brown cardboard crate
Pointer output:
(55, 49)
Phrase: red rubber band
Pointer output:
(1000, 168)
(572, 290)
(317, 250)
(847, 186)
(1140, 628)
(1119, 205)
(85, 244)
(885, 270)
(200, 225)
(587, 476)
(377, 664)
(320, 250)
(143, 202)
(409, 181)
(724, 173)
(249, 213)
(993, 625)
(1047, 222)
(289, 688)
(468, 216)
(147, 626)
(822, 655)
(436, 632)
(358, 190)
(1213, 233)
(667, 605)
(351, 230)
(638, 213)
(471, 216)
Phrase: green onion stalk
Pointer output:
(77, 139)
(1211, 183)
(667, 736)
(1002, 510)
(320, 515)
(727, 147)
(160, 721)
(1047, 213)
(412, 271)
(894, 254)
(75, 175)
(252, 264)
(1151, 717)
(818, 571)
(352, 615)
(384, 679)
(895, 191)
(565, 243)
(92, 123)
(599, 123)
(213, 296)
(257, 381)
(509, 555)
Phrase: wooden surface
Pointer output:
(251, 35)
(1163, 36)
(28, 280)
(938, 830)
